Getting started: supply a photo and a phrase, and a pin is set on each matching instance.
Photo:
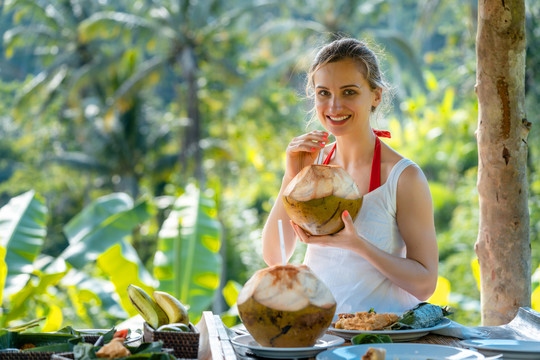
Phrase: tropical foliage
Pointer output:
(143, 142)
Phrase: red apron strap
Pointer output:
(375, 179)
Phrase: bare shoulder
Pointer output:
(413, 186)
(389, 158)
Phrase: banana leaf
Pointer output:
(107, 221)
(23, 303)
(43, 342)
(122, 272)
(147, 350)
(187, 261)
(23, 222)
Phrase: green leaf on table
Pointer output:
(84, 351)
(370, 339)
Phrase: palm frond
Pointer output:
(396, 44)
(38, 10)
(81, 161)
(133, 83)
(284, 26)
(229, 17)
(283, 62)
(99, 25)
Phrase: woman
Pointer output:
(387, 259)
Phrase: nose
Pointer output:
(335, 104)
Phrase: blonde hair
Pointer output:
(349, 48)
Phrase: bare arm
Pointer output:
(417, 272)
(302, 151)
(270, 234)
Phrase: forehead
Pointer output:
(346, 70)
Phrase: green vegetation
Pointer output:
(143, 142)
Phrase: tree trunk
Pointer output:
(503, 244)
(192, 137)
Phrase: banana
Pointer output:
(147, 307)
(175, 310)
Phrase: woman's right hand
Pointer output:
(303, 150)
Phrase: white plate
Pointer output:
(395, 335)
(325, 342)
(511, 349)
(402, 352)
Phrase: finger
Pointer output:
(305, 147)
(317, 138)
(347, 219)
(299, 232)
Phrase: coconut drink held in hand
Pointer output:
(318, 195)
(286, 306)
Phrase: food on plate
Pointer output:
(121, 334)
(423, 315)
(317, 196)
(114, 349)
(175, 310)
(365, 321)
(374, 354)
(286, 306)
(163, 309)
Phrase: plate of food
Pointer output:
(411, 325)
(400, 351)
(248, 343)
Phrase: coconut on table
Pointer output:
(286, 306)
(317, 196)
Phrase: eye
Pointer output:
(349, 92)
(323, 93)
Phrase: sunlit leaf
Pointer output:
(122, 272)
(22, 230)
(475, 265)
(442, 292)
(3, 272)
(230, 292)
(535, 299)
(54, 319)
(185, 267)
(107, 221)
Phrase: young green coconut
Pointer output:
(318, 195)
(286, 306)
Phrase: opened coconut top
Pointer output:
(287, 288)
(319, 181)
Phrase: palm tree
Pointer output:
(180, 37)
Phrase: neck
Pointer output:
(355, 149)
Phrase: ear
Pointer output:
(377, 98)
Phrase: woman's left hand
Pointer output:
(347, 238)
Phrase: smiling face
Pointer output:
(343, 97)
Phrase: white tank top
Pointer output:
(354, 282)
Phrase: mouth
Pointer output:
(338, 120)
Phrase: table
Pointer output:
(215, 344)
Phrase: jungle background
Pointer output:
(142, 141)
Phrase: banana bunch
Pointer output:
(163, 309)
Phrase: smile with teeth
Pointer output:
(338, 118)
